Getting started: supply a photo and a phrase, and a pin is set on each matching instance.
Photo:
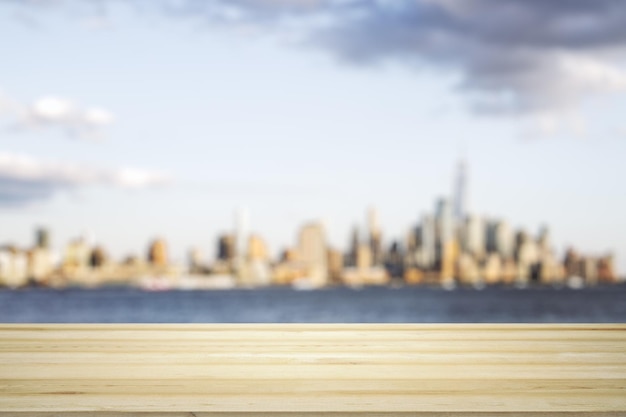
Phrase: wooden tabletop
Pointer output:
(323, 368)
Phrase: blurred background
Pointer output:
(312, 161)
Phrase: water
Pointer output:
(383, 305)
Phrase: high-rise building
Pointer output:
(527, 255)
(312, 252)
(256, 270)
(375, 236)
(42, 238)
(460, 191)
(474, 237)
(365, 259)
(445, 225)
(355, 241)
(500, 239)
(428, 243)
(241, 236)
(196, 261)
(335, 265)
(257, 250)
(40, 260)
(13, 267)
(544, 243)
(394, 260)
(77, 254)
(226, 247)
(98, 257)
(157, 253)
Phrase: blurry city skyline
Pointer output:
(134, 120)
(448, 247)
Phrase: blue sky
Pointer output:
(221, 113)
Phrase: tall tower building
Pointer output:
(313, 252)
(257, 249)
(226, 247)
(445, 221)
(241, 240)
(42, 238)
(503, 239)
(474, 237)
(460, 191)
(355, 241)
(375, 236)
(157, 253)
(428, 242)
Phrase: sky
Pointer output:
(130, 120)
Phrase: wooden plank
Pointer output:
(313, 369)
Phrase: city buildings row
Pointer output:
(448, 247)
(441, 250)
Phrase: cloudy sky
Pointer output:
(135, 119)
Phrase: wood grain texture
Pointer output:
(324, 369)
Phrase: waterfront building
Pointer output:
(196, 261)
(42, 238)
(606, 269)
(468, 270)
(13, 267)
(500, 239)
(355, 241)
(493, 270)
(460, 192)
(375, 237)
(257, 249)
(364, 258)
(527, 257)
(98, 257)
(449, 259)
(589, 267)
(241, 233)
(40, 264)
(428, 243)
(312, 252)
(77, 255)
(474, 237)
(335, 265)
(256, 271)
(226, 247)
(157, 253)
(445, 226)
(394, 260)
(572, 263)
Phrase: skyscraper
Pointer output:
(474, 239)
(226, 247)
(445, 221)
(241, 232)
(428, 243)
(157, 253)
(500, 239)
(460, 191)
(355, 241)
(312, 252)
(42, 238)
(375, 238)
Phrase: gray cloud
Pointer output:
(24, 179)
(510, 56)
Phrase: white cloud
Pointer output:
(51, 110)
(24, 179)
(57, 112)
(97, 117)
